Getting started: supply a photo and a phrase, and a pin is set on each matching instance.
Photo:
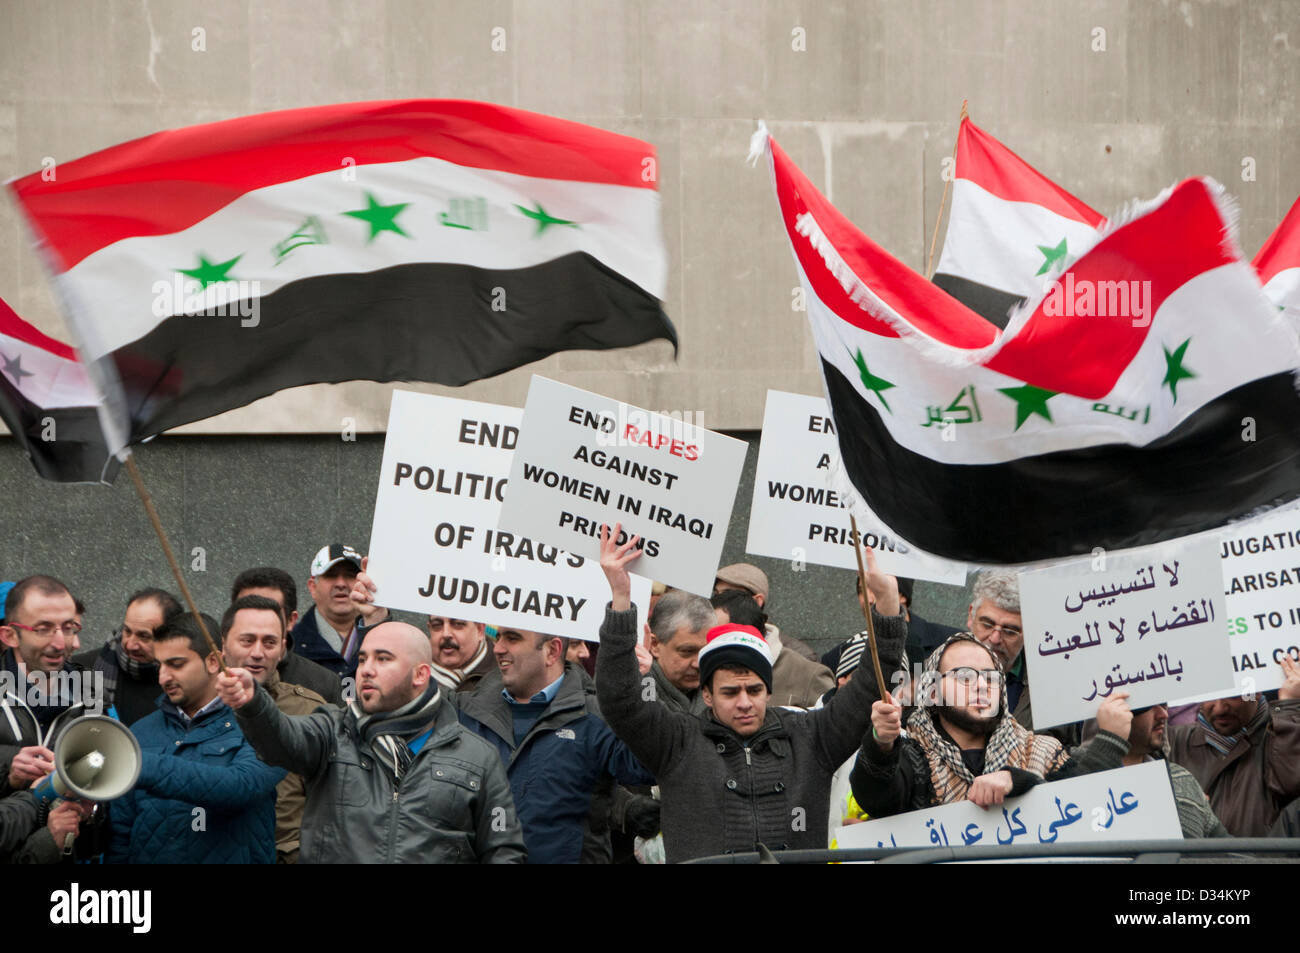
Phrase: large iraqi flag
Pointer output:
(1010, 228)
(444, 241)
(50, 406)
(1149, 395)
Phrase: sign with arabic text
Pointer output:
(1134, 803)
(1147, 622)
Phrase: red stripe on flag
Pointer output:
(919, 302)
(15, 327)
(1282, 250)
(1085, 356)
(983, 160)
(169, 181)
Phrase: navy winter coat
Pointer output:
(207, 765)
(556, 767)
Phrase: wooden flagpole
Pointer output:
(866, 608)
(934, 238)
(171, 557)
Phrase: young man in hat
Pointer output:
(331, 634)
(745, 772)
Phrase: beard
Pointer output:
(959, 717)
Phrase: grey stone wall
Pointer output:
(275, 500)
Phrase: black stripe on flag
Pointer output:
(440, 323)
(989, 302)
(65, 444)
(1200, 475)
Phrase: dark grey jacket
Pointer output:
(721, 793)
(452, 805)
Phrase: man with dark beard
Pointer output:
(962, 743)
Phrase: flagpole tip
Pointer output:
(757, 144)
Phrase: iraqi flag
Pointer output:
(50, 406)
(1149, 395)
(444, 241)
(1010, 228)
(1278, 263)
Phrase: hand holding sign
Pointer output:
(1115, 716)
(613, 561)
(363, 596)
(1290, 679)
(989, 790)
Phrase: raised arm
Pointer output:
(299, 743)
(650, 730)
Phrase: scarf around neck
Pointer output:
(450, 678)
(674, 697)
(387, 732)
(1010, 745)
(1225, 743)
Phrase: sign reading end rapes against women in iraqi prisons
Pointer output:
(584, 460)
(1133, 803)
(796, 516)
(1148, 622)
(435, 547)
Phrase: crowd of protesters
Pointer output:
(338, 734)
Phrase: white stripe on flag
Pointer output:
(994, 242)
(124, 283)
(45, 379)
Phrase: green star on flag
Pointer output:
(544, 218)
(870, 381)
(1030, 400)
(1051, 256)
(380, 218)
(206, 273)
(1174, 370)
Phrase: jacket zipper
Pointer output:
(753, 801)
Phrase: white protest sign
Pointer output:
(435, 547)
(795, 515)
(1133, 803)
(1261, 582)
(1148, 622)
(584, 460)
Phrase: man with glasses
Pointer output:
(127, 660)
(994, 619)
(41, 689)
(962, 744)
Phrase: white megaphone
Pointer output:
(95, 759)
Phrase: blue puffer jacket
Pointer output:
(554, 770)
(206, 765)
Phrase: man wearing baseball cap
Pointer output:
(749, 578)
(744, 773)
(332, 632)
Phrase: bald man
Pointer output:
(393, 777)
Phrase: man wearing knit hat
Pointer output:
(744, 773)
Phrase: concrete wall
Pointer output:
(864, 94)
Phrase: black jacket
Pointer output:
(133, 698)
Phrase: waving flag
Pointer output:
(1278, 263)
(49, 405)
(1010, 228)
(445, 241)
(1148, 395)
